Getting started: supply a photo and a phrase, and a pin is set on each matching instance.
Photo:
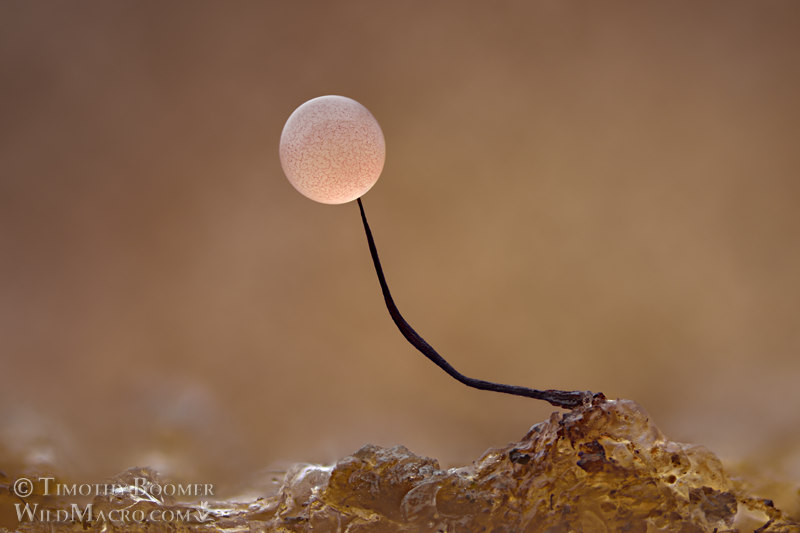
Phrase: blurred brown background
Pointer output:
(576, 196)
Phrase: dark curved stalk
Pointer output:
(566, 399)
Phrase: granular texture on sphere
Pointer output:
(332, 149)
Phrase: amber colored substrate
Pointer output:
(601, 467)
